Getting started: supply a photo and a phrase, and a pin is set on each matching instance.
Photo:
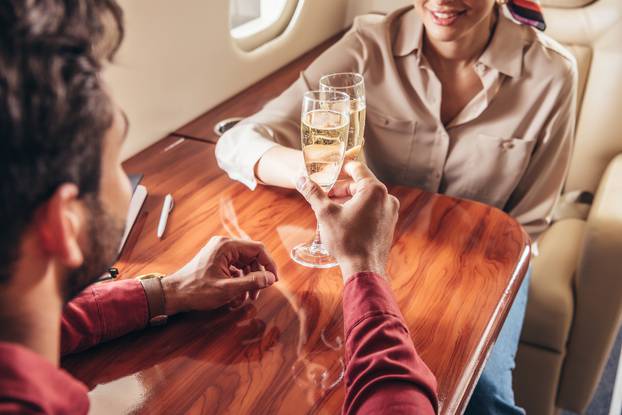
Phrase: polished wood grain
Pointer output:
(455, 268)
(252, 99)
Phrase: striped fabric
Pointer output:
(527, 12)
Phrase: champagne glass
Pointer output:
(325, 121)
(350, 83)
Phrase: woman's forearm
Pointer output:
(280, 166)
(248, 153)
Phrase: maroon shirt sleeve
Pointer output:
(29, 384)
(103, 312)
(384, 374)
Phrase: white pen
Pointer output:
(167, 206)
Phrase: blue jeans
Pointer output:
(493, 394)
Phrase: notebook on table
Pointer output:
(139, 194)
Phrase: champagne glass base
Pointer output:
(310, 256)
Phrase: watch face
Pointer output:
(158, 320)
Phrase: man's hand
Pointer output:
(359, 233)
(224, 271)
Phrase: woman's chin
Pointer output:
(443, 33)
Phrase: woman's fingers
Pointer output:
(358, 171)
(341, 189)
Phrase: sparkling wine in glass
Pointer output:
(324, 127)
(353, 84)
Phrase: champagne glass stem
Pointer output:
(316, 245)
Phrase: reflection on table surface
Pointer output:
(455, 268)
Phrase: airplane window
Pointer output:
(243, 11)
(255, 22)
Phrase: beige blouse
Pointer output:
(509, 147)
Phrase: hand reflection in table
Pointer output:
(275, 340)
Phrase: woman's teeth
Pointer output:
(445, 15)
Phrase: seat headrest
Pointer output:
(566, 4)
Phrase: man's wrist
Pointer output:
(171, 300)
(352, 266)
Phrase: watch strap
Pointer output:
(155, 300)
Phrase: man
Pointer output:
(63, 201)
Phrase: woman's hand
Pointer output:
(224, 271)
(340, 193)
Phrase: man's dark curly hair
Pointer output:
(54, 110)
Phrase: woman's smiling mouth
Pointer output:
(445, 17)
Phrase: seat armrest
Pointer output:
(598, 294)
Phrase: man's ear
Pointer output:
(59, 223)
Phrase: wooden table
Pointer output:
(455, 267)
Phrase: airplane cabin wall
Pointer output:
(178, 59)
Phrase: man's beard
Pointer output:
(103, 233)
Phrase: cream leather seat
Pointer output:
(575, 298)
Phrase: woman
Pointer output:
(461, 100)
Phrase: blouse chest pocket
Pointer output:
(487, 168)
(388, 145)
